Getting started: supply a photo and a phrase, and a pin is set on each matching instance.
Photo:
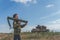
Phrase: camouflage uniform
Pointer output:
(17, 30)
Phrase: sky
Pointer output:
(36, 12)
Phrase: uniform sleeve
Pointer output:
(23, 25)
(8, 22)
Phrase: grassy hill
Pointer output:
(33, 36)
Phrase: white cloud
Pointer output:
(25, 1)
(54, 25)
(51, 15)
(56, 21)
(50, 5)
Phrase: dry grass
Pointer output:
(35, 36)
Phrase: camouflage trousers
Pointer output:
(17, 37)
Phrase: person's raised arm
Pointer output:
(25, 23)
(8, 21)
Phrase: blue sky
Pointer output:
(42, 12)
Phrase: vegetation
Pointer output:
(35, 36)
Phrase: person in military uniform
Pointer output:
(17, 26)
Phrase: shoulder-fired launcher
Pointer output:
(15, 19)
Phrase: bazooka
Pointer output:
(10, 18)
